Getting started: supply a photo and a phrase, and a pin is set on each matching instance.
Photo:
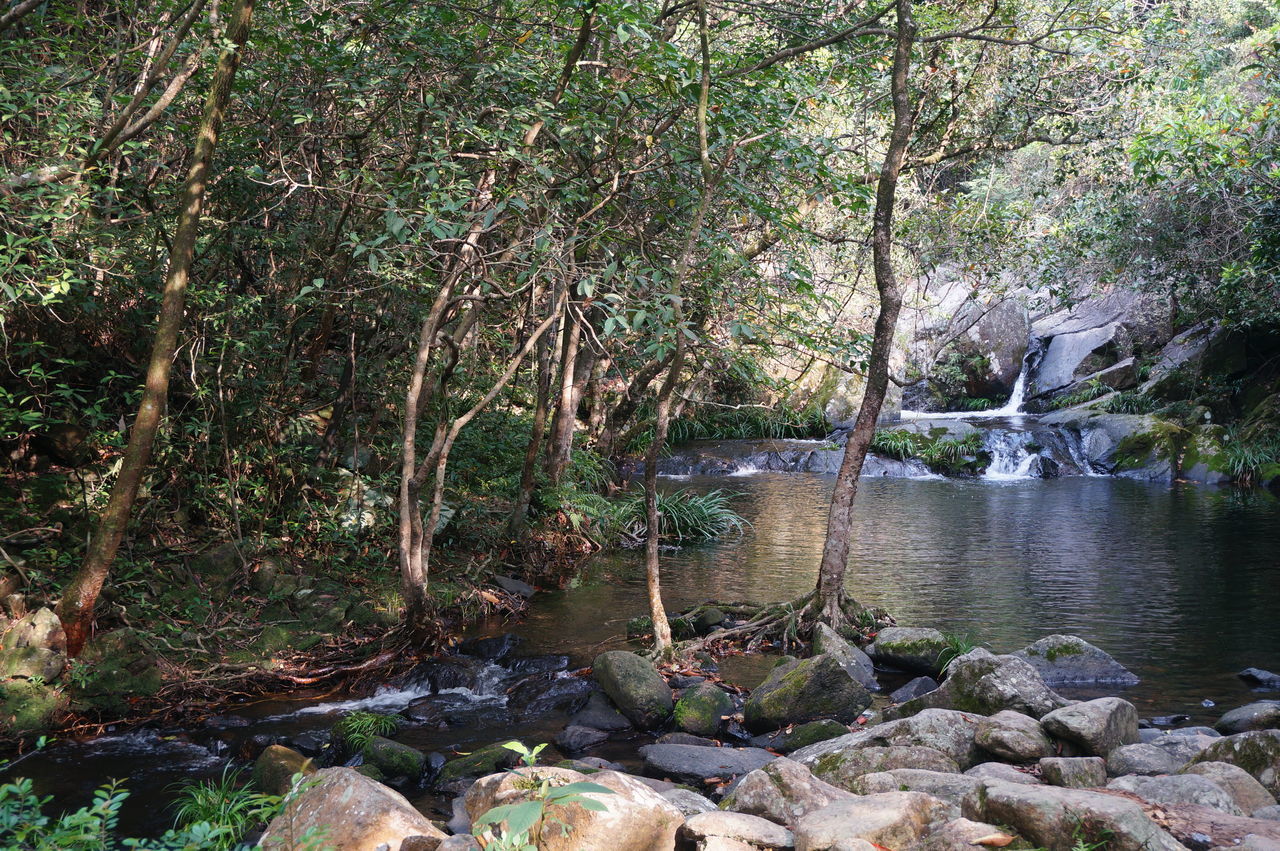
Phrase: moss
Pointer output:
(115, 667)
(371, 771)
(486, 760)
(395, 759)
(701, 708)
(27, 706)
(804, 735)
(1133, 450)
(1060, 650)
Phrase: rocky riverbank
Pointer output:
(978, 750)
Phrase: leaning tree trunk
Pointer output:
(75, 608)
(831, 599)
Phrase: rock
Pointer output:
(1081, 772)
(852, 659)
(1249, 795)
(635, 817)
(1262, 715)
(693, 764)
(689, 802)
(1178, 789)
(1098, 726)
(805, 690)
(887, 819)
(1271, 813)
(574, 738)
(353, 811)
(600, 714)
(754, 831)
(485, 760)
(538, 694)
(983, 683)
(708, 619)
(1062, 659)
(638, 690)
(41, 628)
(450, 672)
(394, 759)
(460, 842)
(1140, 759)
(783, 791)
(1182, 748)
(686, 739)
(916, 688)
(1259, 678)
(701, 709)
(1014, 737)
(961, 790)
(28, 706)
(275, 767)
(941, 729)
(962, 835)
(493, 648)
(1057, 819)
(844, 767)
(802, 735)
(1001, 771)
(1257, 752)
(116, 666)
(514, 586)
(912, 649)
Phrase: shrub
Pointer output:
(682, 515)
(897, 443)
(226, 804)
(1128, 402)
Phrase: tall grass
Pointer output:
(896, 443)
(225, 803)
(683, 516)
(748, 423)
(1250, 458)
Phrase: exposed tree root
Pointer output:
(787, 626)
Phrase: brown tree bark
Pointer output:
(831, 600)
(75, 608)
(562, 423)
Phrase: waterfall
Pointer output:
(1011, 408)
(1010, 458)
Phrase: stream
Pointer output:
(1181, 584)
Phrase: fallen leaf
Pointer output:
(993, 840)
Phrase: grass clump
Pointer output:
(683, 516)
(896, 443)
(1129, 402)
(957, 645)
(357, 729)
(747, 423)
(1086, 392)
(227, 805)
(1251, 458)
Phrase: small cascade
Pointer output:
(1011, 408)
(1010, 455)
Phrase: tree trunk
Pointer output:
(75, 608)
(562, 424)
(831, 599)
(529, 469)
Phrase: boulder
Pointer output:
(345, 809)
(635, 818)
(842, 768)
(984, 683)
(600, 714)
(1057, 819)
(394, 759)
(783, 791)
(1257, 752)
(574, 738)
(805, 690)
(859, 665)
(632, 683)
(1081, 772)
(484, 760)
(751, 831)
(916, 688)
(1014, 737)
(1262, 715)
(34, 647)
(1249, 795)
(961, 790)
(1144, 760)
(701, 709)
(792, 739)
(887, 819)
(460, 842)
(1098, 726)
(678, 738)
(1260, 679)
(963, 835)
(1063, 659)
(1271, 813)
(944, 730)
(274, 769)
(914, 649)
(493, 648)
(692, 764)
(689, 802)
(1182, 748)
(1002, 771)
(1178, 789)
(116, 666)
(28, 706)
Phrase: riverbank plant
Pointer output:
(1250, 458)
(1128, 402)
(356, 729)
(747, 423)
(684, 516)
(1086, 392)
(227, 804)
(521, 827)
(895, 443)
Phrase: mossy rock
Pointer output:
(219, 568)
(115, 667)
(803, 735)
(275, 767)
(1257, 752)
(805, 690)
(394, 758)
(371, 771)
(701, 708)
(914, 649)
(478, 763)
(28, 707)
(635, 687)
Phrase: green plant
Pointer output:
(957, 645)
(1086, 392)
(683, 515)
(357, 729)
(527, 757)
(895, 443)
(225, 803)
(1128, 402)
(1249, 458)
(519, 827)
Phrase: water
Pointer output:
(1181, 585)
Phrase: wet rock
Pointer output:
(801, 735)
(912, 649)
(632, 683)
(573, 738)
(452, 710)
(485, 760)
(1178, 789)
(689, 802)
(701, 709)
(852, 659)
(782, 791)
(916, 688)
(1164, 721)
(1257, 752)
(1056, 819)
(1062, 659)
(599, 713)
(843, 768)
(354, 812)
(1247, 793)
(1262, 715)
(960, 790)
(449, 672)
(274, 769)
(394, 759)
(962, 835)
(1080, 772)
(1140, 759)
(805, 690)
(687, 739)
(888, 819)
(1098, 726)
(984, 683)
(546, 663)
(1260, 679)
(751, 831)
(514, 586)
(634, 818)
(491, 649)
(944, 730)
(1014, 737)
(693, 764)
(1002, 771)
(708, 619)
(539, 694)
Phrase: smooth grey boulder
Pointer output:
(1180, 747)
(983, 683)
(961, 790)
(1053, 818)
(915, 649)
(852, 659)
(1074, 772)
(1179, 789)
(962, 834)
(575, 738)
(1257, 752)
(1271, 813)
(783, 791)
(598, 712)
(1262, 715)
(805, 690)
(1098, 726)
(752, 831)
(689, 802)
(635, 686)
(1259, 678)
(1248, 794)
(842, 768)
(1001, 771)
(1063, 659)
(1144, 760)
(918, 687)
(692, 764)
(888, 819)
(941, 729)
(1014, 737)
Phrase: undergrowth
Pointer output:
(683, 516)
